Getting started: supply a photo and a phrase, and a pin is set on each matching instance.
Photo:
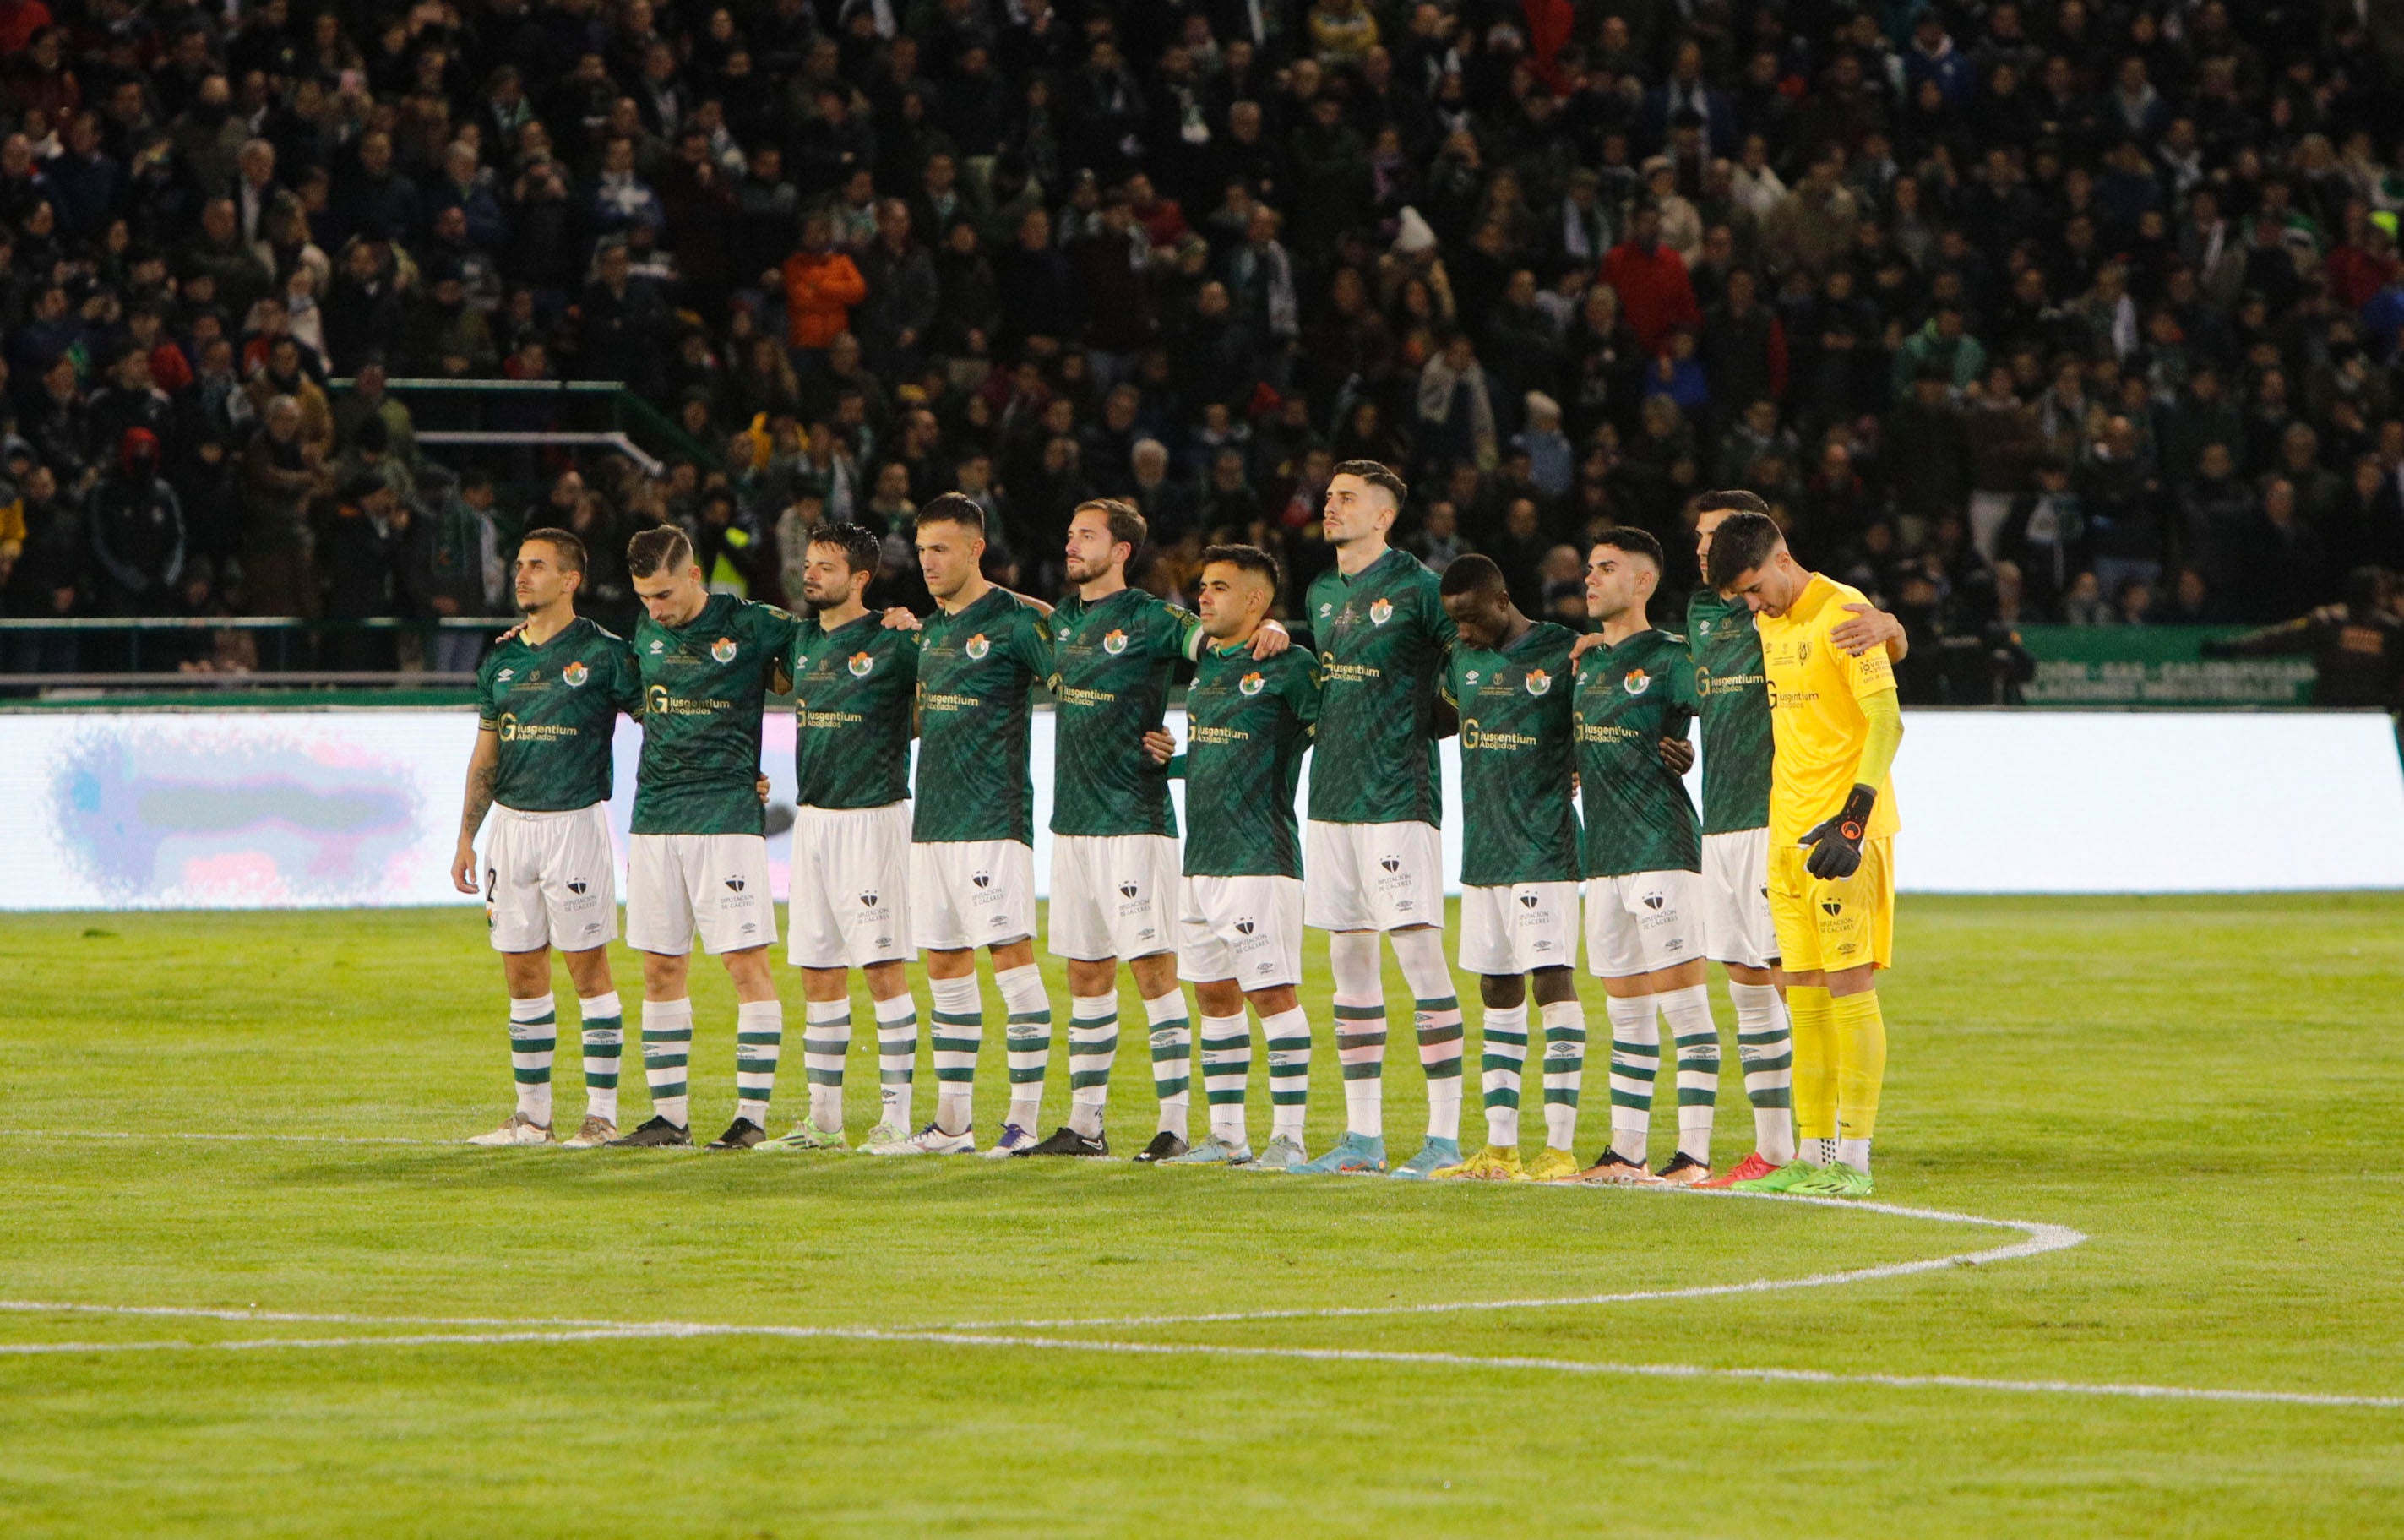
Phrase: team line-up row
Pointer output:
(1785, 878)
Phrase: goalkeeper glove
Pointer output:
(1835, 844)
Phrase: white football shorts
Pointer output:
(966, 894)
(551, 879)
(1642, 922)
(1111, 895)
(851, 901)
(1737, 927)
(1372, 876)
(1517, 929)
(1244, 929)
(717, 884)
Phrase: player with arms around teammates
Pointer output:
(1115, 651)
(1832, 826)
(972, 830)
(1371, 847)
(699, 853)
(1508, 680)
(1249, 720)
(547, 702)
(855, 685)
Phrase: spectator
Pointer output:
(1651, 281)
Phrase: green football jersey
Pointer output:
(975, 671)
(1113, 663)
(1381, 638)
(1515, 759)
(1734, 695)
(1630, 697)
(555, 707)
(704, 686)
(854, 689)
(1248, 724)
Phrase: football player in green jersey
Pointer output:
(1509, 682)
(547, 702)
(972, 829)
(1642, 856)
(855, 683)
(1375, 864)
(699, 851)
(1114, 651)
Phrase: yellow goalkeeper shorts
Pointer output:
(1829, 927)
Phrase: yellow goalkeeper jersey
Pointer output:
(1815, 713)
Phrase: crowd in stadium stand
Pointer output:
(2015, 310)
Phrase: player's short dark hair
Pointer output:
(861, 550)
(572, 555)
(954, 507)
(1744, 542)
(662, 548)
(1378, 475)
(1245, 558)
(1470, 573)
(1128, 526)
(1734, 500)
(1636, 542)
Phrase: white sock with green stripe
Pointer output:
(1435, 1015)
(896, 1059)
(1359, 1029)
(1502, 1044)
(667, 1044)
(957, 1031)
(1688, 1012)
(1765, 1045)
(1172, 1058)
(1288, 1037)
(1635, 1060)
(534, 1037)
(826, 1039)
(1226, 1065)
(1093, 1049)
(1029, 1027)
(1564, 1071)
(605, 1041)
(759, 1041)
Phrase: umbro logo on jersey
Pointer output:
(862, 666)
(1537, 681)
(1381, 612)
(1114, 643)
(1654, 900)
(506, 675)
(1636, 681)
(1128, 889)
(1390, 863)
(723, 649)
(1470, 679)
(658, 647)
(735, 884)
(1326, 610)
(1703, 628)
(1244, 926)
(1064, 633)
(868, 901)
(983, 879)
(1831, 906)
(578, 885)
(574, 675)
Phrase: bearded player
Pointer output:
(1371, 846)
(547, 702)
(1832, 825)
(855, 683)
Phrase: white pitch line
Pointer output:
(193, 1312)
(232, 1139)
(2040, 1239)
(687, 1330)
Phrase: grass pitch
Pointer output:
(2207, 1087)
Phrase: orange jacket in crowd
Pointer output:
(819, 292)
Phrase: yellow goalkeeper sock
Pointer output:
(1860, 1040)
(1815, 1062)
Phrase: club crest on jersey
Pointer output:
(722, 650)
(1244, 927)
(1251, 684)
(735, 884)
(1636, 681)
(1537, 682)
(977, 646)
(574, 675)
(1803, 652)
(1114, 643)
(862, 666)
(1381, 612)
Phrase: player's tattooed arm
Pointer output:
(1870, 627)
(483, 773)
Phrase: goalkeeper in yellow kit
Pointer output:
(1832, 824)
